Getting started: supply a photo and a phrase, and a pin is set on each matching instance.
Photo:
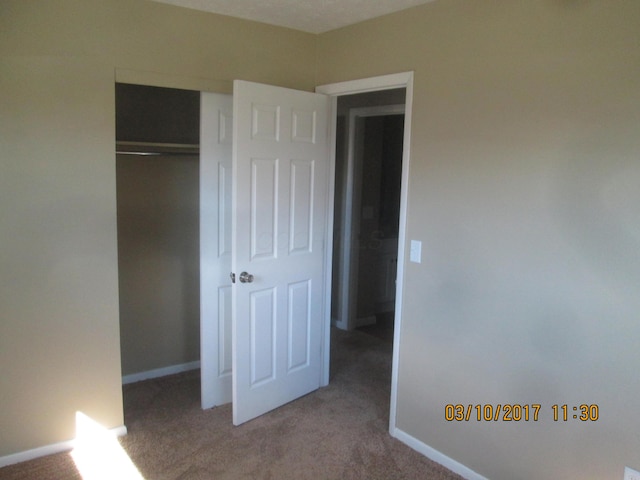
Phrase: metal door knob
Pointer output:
(246, 277)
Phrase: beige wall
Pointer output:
(59, 343)
(524, 188)
(158, 261)
(59, 335)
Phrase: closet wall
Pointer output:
(158, 229)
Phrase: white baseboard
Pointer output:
(49, 449)
(339, 324)
(160, 372)
(436, 456)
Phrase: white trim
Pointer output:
(371, 84)
(437, 456)
(50, 449)
(402, 235)
(160, 372)
(385, 82)
(339, 324)
(376, 111)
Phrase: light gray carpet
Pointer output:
(337, 432)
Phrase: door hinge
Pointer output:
(233, 277)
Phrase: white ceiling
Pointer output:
(314, 16)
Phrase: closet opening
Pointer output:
(157, 181)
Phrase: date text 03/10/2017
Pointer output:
(515, 412)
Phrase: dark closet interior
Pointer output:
(157, 175)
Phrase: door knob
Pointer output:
(246, 277)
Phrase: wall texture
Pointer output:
(59, 341)
(524, 188)
(59, 334)
(158, 261)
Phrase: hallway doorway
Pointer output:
(369, 151)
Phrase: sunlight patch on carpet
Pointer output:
(98, 454)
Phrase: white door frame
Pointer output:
(385, 82)
(349, 266)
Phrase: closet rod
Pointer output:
(155, 154)
(155, 148)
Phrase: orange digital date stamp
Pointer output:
(516, 412)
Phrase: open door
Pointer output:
(216, 127)
(280, 169)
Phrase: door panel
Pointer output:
(263, 336)
(225, 359)
(300, 230)
(299, 325)
(264, 208)
(280, 162)
(216, 128)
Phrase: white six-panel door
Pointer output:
(280, 166)
(216, 129)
